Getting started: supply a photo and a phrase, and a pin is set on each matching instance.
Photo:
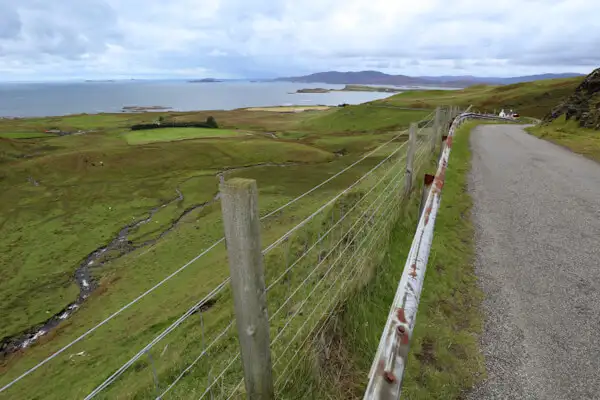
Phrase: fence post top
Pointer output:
(239, 183)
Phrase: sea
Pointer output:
(54, 99)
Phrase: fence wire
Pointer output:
(309, 269)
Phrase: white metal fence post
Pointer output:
(239, 203)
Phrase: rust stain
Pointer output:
(413, 272)
(428, 213)
(449, 141)
(389, 376)
(401, 316)
(404, 339)
(428, 179)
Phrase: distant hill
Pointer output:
(490, 80)
(531, 99)
(205, 80)
(380, 78)
(361, 77)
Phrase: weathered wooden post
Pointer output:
(410, 157)
(239, 203)
(437, 124)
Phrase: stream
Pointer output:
(116, 248)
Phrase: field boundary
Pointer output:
(388, 368)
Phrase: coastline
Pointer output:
(54, 100)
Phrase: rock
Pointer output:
(583, 105)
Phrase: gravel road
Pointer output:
(537, 218)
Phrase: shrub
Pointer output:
(210, 123)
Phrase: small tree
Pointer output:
(161, 119)
(211, 122)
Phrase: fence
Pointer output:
(278, 298)
(387, 371)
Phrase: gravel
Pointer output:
(537, 219)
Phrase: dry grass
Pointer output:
(291, 109)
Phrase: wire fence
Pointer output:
(389, 364)
(313, 261)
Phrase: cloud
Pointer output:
(260, 38)
(10, 23)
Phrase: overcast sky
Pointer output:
(73, 39)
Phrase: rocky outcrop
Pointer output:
(583, 105)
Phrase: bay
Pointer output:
(53, 99)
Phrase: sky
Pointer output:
(115, 39)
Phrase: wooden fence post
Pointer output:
(239, 203)
(437, 124)
(410, 156)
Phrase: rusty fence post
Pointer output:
(239, 203)
(410, 158)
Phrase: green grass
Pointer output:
(362, 118)
(23, 135)
(89, 186)
(444, 359)
(172, 134)
(531, 99)
(351, 144)
(570, 135)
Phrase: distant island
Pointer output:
(205, 80)
(352, 88)
(380, 78)
(315, 90)
(99, 80)
(144, 108)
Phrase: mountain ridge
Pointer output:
(380, 78)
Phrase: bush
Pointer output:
(210, 123)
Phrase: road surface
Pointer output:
(537, 218)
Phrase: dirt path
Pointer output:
(537, 218)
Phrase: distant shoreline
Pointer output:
(24, 101)
(353, 88)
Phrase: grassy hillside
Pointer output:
(363, 118)
(574, 120)
(63, 197)
(569, 134)
(532, 99)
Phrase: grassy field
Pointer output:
(444, 359)
(531, 99)
(64, 197)
(172, 134)
(365, 118)
(289, 109)
(23, 135)
(570, 135)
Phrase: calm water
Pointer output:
(46, 99)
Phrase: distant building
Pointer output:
(508, 114)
